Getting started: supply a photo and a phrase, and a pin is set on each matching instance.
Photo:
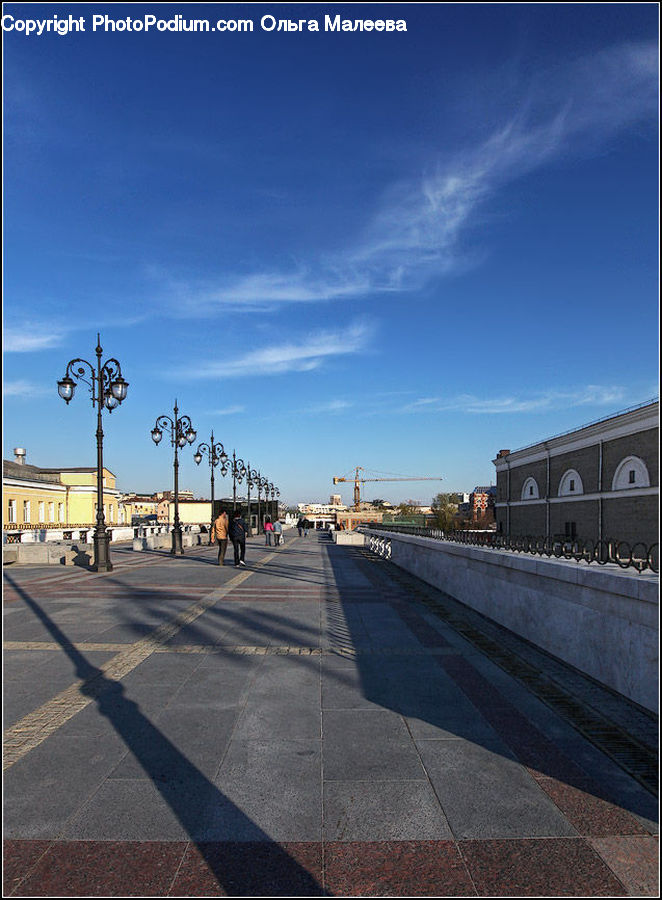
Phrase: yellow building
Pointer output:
(191, 512)
(138, 505)
(54, 498)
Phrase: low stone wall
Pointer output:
(80, 534)
(51, 553)
(348, 537)
(163, 541)
(600, 619)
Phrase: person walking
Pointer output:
(219, 535)
(306, 526)
(238, 537)
(300, 525)
(268, 530)
(278, 532)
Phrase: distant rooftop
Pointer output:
(26, 472)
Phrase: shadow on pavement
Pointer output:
(196, 802)
(424, 688)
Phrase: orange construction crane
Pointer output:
(358, 481)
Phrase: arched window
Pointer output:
(630, 473)
(570, 484)
(530, 489)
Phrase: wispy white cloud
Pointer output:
(228, 411)
(422, 225)
(263, 291)
(590, 395)
(326, 407)
(302, 356)
(25, 389)
(30, 337)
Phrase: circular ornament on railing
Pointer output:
(639, 556)
(588, 554)
(654, 558)
(578, 551)
(623, 554)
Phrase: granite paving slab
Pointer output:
(374, 745)
(534, 868)
(383, 811)
(635, 860)
(277, 784)
(487, 794)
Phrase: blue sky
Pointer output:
(403, 251)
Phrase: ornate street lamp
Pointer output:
(250, 482)
(216, 453)
(274, 493)
(181, 433)
(262, 486)
(108, 390)
(271, 488)
(238, 471)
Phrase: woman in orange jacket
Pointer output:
(219, 534)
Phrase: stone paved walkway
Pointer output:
(301, 727)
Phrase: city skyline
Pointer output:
(404, 250)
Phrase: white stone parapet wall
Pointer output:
(600, 619)
(49, 547)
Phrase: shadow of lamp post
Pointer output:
(181, 433)
(108, 389)
(216, 453)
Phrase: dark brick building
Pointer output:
(600, 482)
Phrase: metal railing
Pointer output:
(638, 556)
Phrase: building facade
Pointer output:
(600, 482)
(137, 506)
(191, 512)
(480, 507)
(35, 497)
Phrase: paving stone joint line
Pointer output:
(30, 731)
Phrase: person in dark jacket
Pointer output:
(238, 537)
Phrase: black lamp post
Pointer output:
(181, 433)
(238, 470)
(271, 489)
(216, 453)
(250, 476)
(262, 486)
(108, 390)
(257, 480)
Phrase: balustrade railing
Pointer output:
(638, 556)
